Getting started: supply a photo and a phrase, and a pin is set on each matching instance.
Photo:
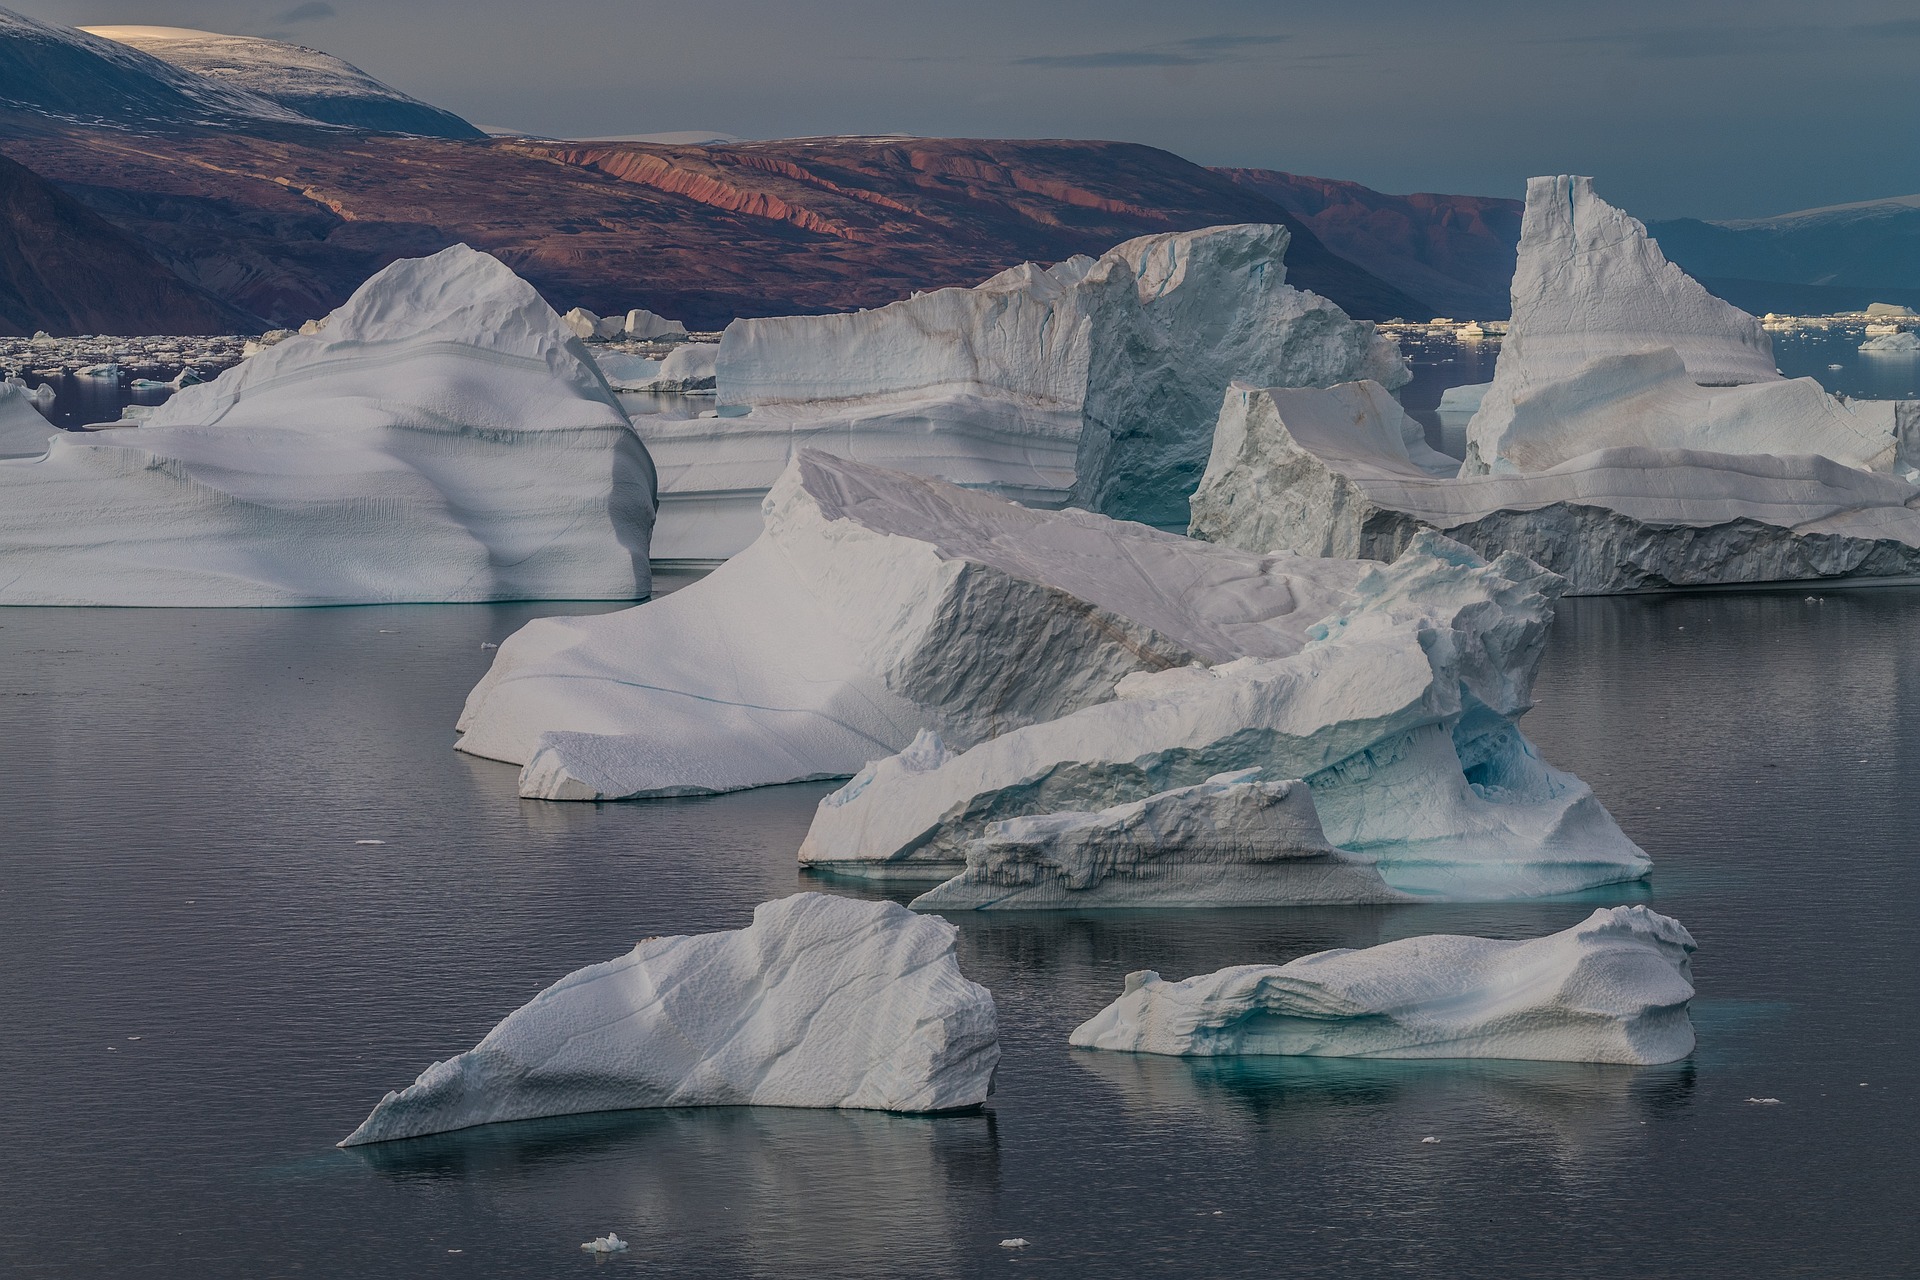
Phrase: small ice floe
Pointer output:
(608, 1243)
(385, 631)
(488, 644)
(1016, 1242)
(1836, 366)
(1429, 1140)
(369, 841)
(1765, 1102)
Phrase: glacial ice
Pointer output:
(874, 604)
(1341, 472)
(1398, 711)
(24, 430)
(1613, 988)
(1094, 381)
(820, 1002)
(642, 324)
(1229, 841)
(443, 438)
(1903, 342)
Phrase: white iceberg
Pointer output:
(444, 438)
(1613, 988)
(1094, 381)
(874, 604)
(24, 430)
(588, 327)
(625, 371)
(820, 1002)
(608, 1243)
(643, 324)
(1229, 841)
(1343, 472)
(1398, 711)
(1898, 343)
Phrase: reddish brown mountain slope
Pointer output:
(65, 269)
(1454, 251)
(285, 223)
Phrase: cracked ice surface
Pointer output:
(1613, 988)
(820, 1002)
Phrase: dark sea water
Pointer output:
(205, 983)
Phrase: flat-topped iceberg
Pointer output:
(820, 1002)
(1398, 711)
(441, 438)
(1095, 380)
(873, 605)
(1613, 988)
(1229, 841)
(1342, 472)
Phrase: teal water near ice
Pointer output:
(207, 982)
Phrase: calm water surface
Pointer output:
(207, 982)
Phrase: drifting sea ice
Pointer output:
(820, 1002)
(1613, 988)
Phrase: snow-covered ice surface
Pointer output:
(875, 604)
(1095, 380)
(1341, 472)
(443, 438)
(820, 1002)
(24, 430)
(1613, 988)
(1229, 841)
(1398, 710)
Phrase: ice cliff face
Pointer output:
(24, 430)
(820, 1002)
(1095, 381)
(1398, 712)
(874, 604)
(441, 439)
(1341, 472)
(1613, 988)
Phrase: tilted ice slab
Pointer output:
(1398, 713)
(24, 430)
(443, 438)
(1094, 380)
(1340, 472)
(1229, 841)
(820, 1002)
(1614, 988)
(874, 604)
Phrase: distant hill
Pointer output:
(1456, 252)
(67, 270)
(1858, 251)
(317, 85)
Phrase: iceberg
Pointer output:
(1612, 989)
(24, 430)
(874, 604)
(643, 324)
(1093, 381)
(443, 438)
(1343, 472)
(1901, 342)
(1229, 841)
(820, 1002)
(1398, 711)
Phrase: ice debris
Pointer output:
(608, 1243)
(444, 438)
(820, 1002)
(1613, 988)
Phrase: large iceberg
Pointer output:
(875, 604)
(820, 1002)
(1613, 988)
(1229, 841)
(442, 438)
(24, 430)
(1095, 381)
(1342, 472)
(1397, 709)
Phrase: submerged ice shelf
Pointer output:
(820, 1002)
(1614, 988)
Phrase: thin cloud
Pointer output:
(1192, 52)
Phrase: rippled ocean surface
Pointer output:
(205, 982)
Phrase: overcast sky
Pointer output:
(1709, 108)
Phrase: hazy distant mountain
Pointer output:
(67, 270)
(70, 75)
(1849, 251)
(1455, 252)
(317, 85)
